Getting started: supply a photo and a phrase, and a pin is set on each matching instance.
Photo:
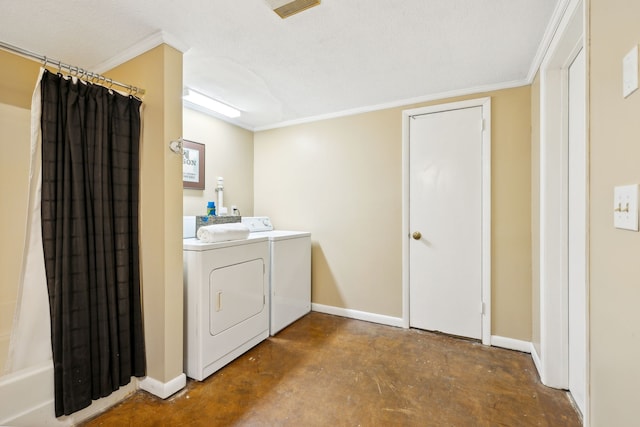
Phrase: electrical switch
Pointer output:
(625, 207)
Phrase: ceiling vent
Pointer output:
(286, 8)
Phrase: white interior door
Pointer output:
(445, 220)
(577, 226)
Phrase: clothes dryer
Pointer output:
(226, 301)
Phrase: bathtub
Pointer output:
(27, 399)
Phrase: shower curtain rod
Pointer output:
(78, 72)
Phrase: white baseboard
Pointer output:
(511, 344)
(358, 315)
(536, 360)
(163, 390)
(496, 340)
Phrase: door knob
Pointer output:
(417, 235)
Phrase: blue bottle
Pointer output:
(211, 208)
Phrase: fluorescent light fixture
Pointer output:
(286, 8)
(196, 98)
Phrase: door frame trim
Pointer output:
(485, 103)
(552, 352)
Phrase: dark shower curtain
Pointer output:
(90, 190)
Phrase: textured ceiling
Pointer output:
(341, 55)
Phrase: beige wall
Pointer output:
(614, 267)
(341, 179)
(17, 79)
(159, 72)
(229, 154)
(511, 213)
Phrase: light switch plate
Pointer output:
(630, 72)
(625, 207)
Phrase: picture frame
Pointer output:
(193, 165)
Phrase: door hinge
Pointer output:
(482, 308)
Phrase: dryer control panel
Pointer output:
(257, 223)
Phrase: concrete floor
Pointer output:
(330, 371)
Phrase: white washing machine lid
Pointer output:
(284, 234)
(261, 226)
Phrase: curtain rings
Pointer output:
(59, 68)
(46, 61)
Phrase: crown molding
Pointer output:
(547, 38)
(144, 45)
(399, 103)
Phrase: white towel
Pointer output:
(223, 232)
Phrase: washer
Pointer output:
(290, 277)
(226, 302)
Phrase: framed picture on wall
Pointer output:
(193, 165)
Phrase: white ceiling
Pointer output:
(343, 55)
